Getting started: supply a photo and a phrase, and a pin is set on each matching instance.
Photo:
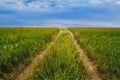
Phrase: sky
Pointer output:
(60, 13)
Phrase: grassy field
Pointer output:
(19, 45)
(103, 47)
(61, 63)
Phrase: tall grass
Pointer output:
(61, 63)
(103, 47)
(19, 45)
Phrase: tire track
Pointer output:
(89, 66)
(28, 71)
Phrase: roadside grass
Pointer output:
(19, 45)
(103, 47)
(61, 63)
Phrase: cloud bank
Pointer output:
(40, 5)
(60, 12)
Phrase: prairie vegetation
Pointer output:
(61, 63)
(19, 45)
(103, 48)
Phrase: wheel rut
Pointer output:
(29, 69)
(88, 64)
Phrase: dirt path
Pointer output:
(89, 66)
(28, 71)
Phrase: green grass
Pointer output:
(103, 47)
(61, 63)
(19, 45)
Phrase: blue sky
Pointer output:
(103, 13)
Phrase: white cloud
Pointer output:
(95, 2)
(118, 2)
(34, 5)
(46, 5)
(73, 23)
(12, 4)
(108, 0)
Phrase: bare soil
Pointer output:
(88, 64)
(29, 69)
